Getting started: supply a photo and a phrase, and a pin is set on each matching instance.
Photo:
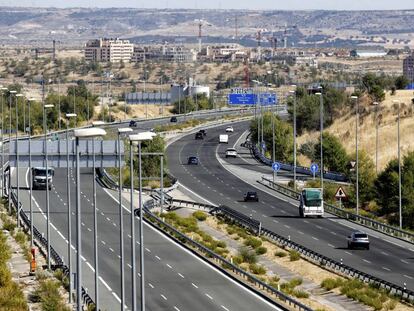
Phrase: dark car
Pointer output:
(199, 135)
(133, 123)
(251, 196)
(192, 160)
(203, 132)
(358, 239)
(173, 119)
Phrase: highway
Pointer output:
(211, 181)
(175, 278)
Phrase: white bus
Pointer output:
(311, 202)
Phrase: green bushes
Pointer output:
(294, 255)
(49, 297)
(290, 288)
(280, 254)
(253, 242)
(247, 255)
(261, 250)
(330, 283)
(257, 269)
(200, 216)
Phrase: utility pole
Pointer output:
(356, 150)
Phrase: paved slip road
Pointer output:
(175, 279)
(390, 261)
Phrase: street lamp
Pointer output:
(399, 163)
(68, 117)
(81, 134)
(11, 93)
(121, 131)
(355, 98)
(376, 104)
(321, 130)
(293, 93)
(17, 160)
(138, 139)
(30, 173)
(47, 185)
(4, 90)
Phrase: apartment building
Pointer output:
(176, 54)
(408, 68)
(108, 50)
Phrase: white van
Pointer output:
(223, 139)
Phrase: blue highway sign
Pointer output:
(267, 99)
(314, 168)
(276, 166)
(242, 99)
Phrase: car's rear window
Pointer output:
(231, 149)
(360, 236)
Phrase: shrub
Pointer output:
(20, 237)
(330, 283)
(253, 242)
(200, 216)
(9, 226)
(280, 254)
(257, 269)
(261, 250)
(247, 255)
(294, 255)
(300, 294)
(48, 295)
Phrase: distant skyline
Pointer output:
(225, 4)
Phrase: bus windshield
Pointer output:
(41, 172)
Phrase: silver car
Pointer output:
(358, 239)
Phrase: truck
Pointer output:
(311, 202)
(223, 139)
(39, 177)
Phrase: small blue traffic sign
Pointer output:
(276, 166)
(314, 168)
(263, 145)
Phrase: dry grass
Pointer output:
(344, 129)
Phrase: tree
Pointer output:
(283, 136)
(366, 176)
(401, 82)
(335, 157)
(151, 166)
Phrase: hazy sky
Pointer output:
(226, 4)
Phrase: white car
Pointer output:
(231, 152)
(229, 129)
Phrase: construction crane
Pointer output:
(201, 23)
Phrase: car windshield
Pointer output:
(313, 197)
(41, 172)
(231, 150)
(360, 236)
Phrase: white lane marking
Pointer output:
(176, 309)
(116, 297)
(287, 226)
(224, 308)
(165, 298)
(209, 296)
(158, 257)
(104, 283)
(408, 277)
(386, 269)
(367, 261)
(181, 275)
(406, 262)
(330, 245)
(300, 232)
(384, 253)
(348, 253)
(169, 266)
(316, 239)
(150, 285)
(194, 285)
(333, 233)
(147, 250)
(103, 242)
(111, 249)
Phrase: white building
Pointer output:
(177, 54)
(368, 53)
(179, 91)
(109, 50)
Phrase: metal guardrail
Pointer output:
(41, 242)
(361, 220)
(317, 258)
(220, 262)
(288, 167)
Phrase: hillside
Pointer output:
(344, 128)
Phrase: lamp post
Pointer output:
(11, 93)
(321, 132)
(399, 163)
(138, 139)
(30, 173)
(47, 185)
(121, 131)
(68, 117)
(376, 104)
(293, 93)
(17, 160)
(355, 98)
(3, 89)
(80, 134)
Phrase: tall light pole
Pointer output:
(399, 164)
(4, 90)
(95, 229)
(293, 93)
(11, 93)
(376, 104)
(121, 131)
(68, 117)
(81, 134)
(17, 160)
(139, 138)
(47, 185)
(355, 98)
(30, 172)
(321, 132)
